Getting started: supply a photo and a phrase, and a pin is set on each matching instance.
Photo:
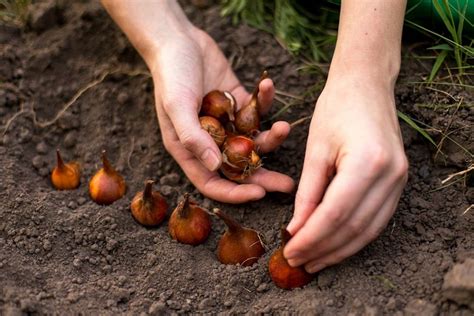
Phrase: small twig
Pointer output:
(468, 209)
(289, 95)
(444, 92)
(14, 117)
(460, 173)
(300, 121)
(73, 100)
(130, 154)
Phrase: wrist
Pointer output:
(149, 25)
(381, 70)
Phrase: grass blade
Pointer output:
(415, 126)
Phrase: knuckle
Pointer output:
(335, 216)
(376, 159)
(401, 168)
(188, 140)
(373, 234)
(355, 228)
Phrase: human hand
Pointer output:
(353, 175)
(183, 70)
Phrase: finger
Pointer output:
(344, 194)
(265, 95)
(270, 140)
(207, 182)
(373, 231)
(384, 192)
(317, 169)
(182, 114)
(272, 181)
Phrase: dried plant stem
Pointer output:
(457, 174)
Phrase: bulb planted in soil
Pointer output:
(281, 273)
(65, 176)
(238, 245)
(189, 223)
(107, 185)
(148, 207)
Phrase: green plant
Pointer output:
(14, 11)
(452, 44)
(300, 32)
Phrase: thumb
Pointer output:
(184, 117)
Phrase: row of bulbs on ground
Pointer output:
(233, 131)
(189, 223)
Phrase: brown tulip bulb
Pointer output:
(189, 223)
(149, 207)
(214, 128)
(247, 119)
(219, 104)
(65, 176)
(282, 274)
(238, 245)
(107, 185)
(239, 158)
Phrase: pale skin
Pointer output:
(355, 167)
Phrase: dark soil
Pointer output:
(62, 253)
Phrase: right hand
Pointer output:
(184, 69)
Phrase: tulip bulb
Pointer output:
(282, 274)
(247, 119)
(220, 105)
(65, 176)
(239, 158)
(214, 128)
(238, 245)
(149, 207)
(189, 223)
(107, 185)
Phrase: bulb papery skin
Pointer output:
(238, 245)
(219, 104)
(239, 159)
(149, 209)
(66, 178)
(191, 225)
(214, 128)
(247, 119)
(105, 189)
(285, 276)
(107, 185)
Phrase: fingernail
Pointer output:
(210, 159)
(315, 267)
(292, 255)
(290, 225)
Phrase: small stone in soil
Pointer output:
(157, 308)
(166, 190)
(171, 179)
(43, 172)
(42, 148)
(81, 200)
(38, 162)
(70, 139)
(459, 283)
(419, 307)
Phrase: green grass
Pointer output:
(14, 11)
(453, 43)
(305, 35)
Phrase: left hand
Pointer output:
(354, 172)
